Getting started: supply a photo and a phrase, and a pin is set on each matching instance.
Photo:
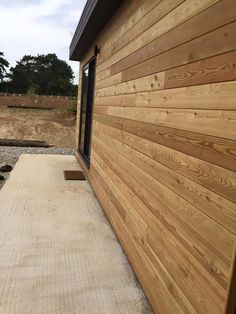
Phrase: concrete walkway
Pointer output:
(58, 251)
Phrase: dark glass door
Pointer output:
(86, 109)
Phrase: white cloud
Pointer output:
(41, 26)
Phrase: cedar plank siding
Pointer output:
(163, 152)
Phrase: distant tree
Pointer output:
(45, 74)
(3, 66)
(21, 76)
(74, 92)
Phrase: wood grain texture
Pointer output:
(199, 121)
(109, 81)
(216, 69)
(217, 42)
(206, 21)
(150, 82)
(212, 177)
(180, 14)
(138, 259)
(125, 18)
(165, 209)
(129, 17)
(163, 151)
(194, 284)
(215, 150)
(219, 96)
(218, 208)
(157, 13)
(210, 70)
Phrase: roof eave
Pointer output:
(94, 17)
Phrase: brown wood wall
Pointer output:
(164, 146)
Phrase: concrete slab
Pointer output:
(58, 251)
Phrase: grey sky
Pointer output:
(38, 26)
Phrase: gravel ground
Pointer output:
(10, 154)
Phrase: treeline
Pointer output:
(41, 75)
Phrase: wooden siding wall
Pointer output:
(163, 154)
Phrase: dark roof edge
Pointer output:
(95, 15)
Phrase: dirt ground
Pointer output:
(36, 101)
(56, 127)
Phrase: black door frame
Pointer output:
(85, 151)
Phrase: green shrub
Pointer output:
(73, 107)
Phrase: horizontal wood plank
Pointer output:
(126, 17)
(167, 210)
(199, 121)
(163, 147)
(214, 43)
(218, 96)
(183, 12)
(215, 150)
(150, 82)
(193, 285)
(212, 177)
(221, 68)
(156, 14)
(206, 21)
(138, 259)
(210, 203)
(109, 81)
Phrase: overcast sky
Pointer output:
(38, 26)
